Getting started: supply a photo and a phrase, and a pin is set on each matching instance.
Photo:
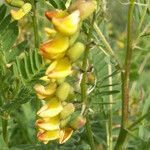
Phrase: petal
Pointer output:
(56, 14)
(49, 123)
(50, 109)
(65, 134)
(48, 135)
(43, 92)
(67, 25)
(25, 9)
(56, 45)
(61, 70)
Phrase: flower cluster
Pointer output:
(24, 8)
(57, 117)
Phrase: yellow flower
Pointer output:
(51, 109)
(55, 48)
(25, 9)
(43, 92)
(65, 134)
(59, 68)
(49, 123)
(67, 25)
(46, 136)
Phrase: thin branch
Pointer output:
(125, 81)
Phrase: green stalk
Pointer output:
(83, 85)
(35, 24)
(125, 81)
(110, 140)
(4, 129)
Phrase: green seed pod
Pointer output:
(77, 121)
(15, 3)
(62, 91)
(75, 51)
(67, 111)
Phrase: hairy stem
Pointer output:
(125, 81)
(35, 24)
(83, 85)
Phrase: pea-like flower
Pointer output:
(55, 48)
(25, 9)
(59, 69)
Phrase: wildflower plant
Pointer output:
(81, 84)
(58, 117)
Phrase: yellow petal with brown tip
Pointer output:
(65, 134)
(43, 92)
(49, 123)
(48, 136)
(67, 25)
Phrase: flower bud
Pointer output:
(51, 109)
(49, 123)
(15, 3)
(75, 51)
(25, 9)
(67, 25)
(64, 122)
(46, 136)
(59, 69)
(91, 77)
(63, 91)
(55, 48)
(64, 135)
(67, 111)
(77, 121)
(86, 7)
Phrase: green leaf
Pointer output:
(57, 4)
(29, 67)
(16, 51)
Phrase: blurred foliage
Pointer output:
(21, 66)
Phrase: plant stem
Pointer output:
(110, 141)
(4, 127)
(83, 85)
(125, 81)
(35, 24)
